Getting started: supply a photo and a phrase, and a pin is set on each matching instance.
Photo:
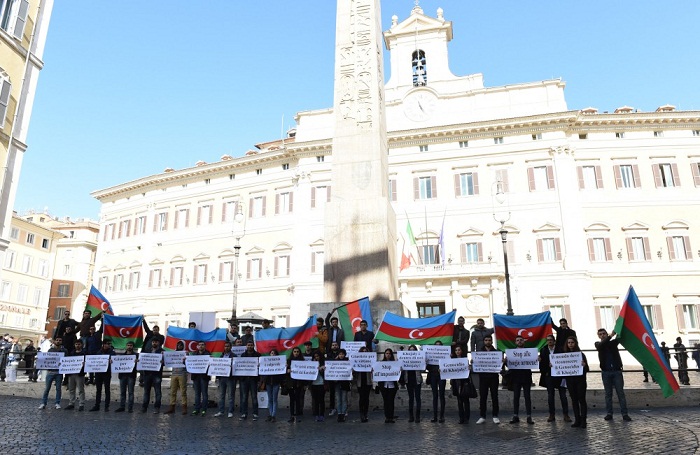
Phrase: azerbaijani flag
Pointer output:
(534, 328)
(399, 329)
(350, 315)
(284, 340)
(122, 329)
(636, 335)
(96, 303)
(214, 339)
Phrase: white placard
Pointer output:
(272, 364)
(522, 359)
(197, 364)
(352, 346)
(238, 350)
(245, 366)
(49, 360)
(71, 365)
(150, 361)
(386, 371)
(220, 366)
(123, 363)
(454, 368)
(304, 370)
(411, 360)
(487, 361)
(362, 361)
(566, 364)
(96, 363)
(174, 359)
(435, 352)
(338, 370)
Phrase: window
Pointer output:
(256, 209)
(540, 178)
(134, 280)
(392, 190)
(695, 170)
(627, 176)
(66, 270)
(320, 159)
(58, 313)
(43, 268)
(419, 69)
(13, 16)
(317, 262)
(254, 271)
(537, 137)
(22, 293)
(658, 134)
(679, 248)
(176, 275)
(430, 309)
(653, 314)
(422, 148)
(282, 266)
(14, 233)
(124, 228)
(118, 283)
(103, 283)
(501, 176)
(154, 279)
(205, 214)
(471, 252)
(424, 188)
(226, 271)
(109, 232)
(666, 175)
(34, 323)
(63, 290)
(30, 238)
(26, 264)
(182, 218)
(687, 316)
(583, 136)
(638, 249)
(5, 89)
(284, 202)
(5, 290)
(232, 176)
(160, 222)
(140, 225)
(696, 133)
(228, 211)
(498, 140)
(258, 172)
(285, 167)
(463, 144)
(428, 254)
(607, 316)
(620, 135)
(200, 274)
(466, 184)
(599, 250)
(10, 258)
(319, 196)
(548, 250)
(589, 178)
(559, 311)
(207, 181)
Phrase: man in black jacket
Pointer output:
(552, 383)
(611, 366)
(563, 332)
(522, 379)
(104, 379)
(460, 337)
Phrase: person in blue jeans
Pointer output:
(273, 383)
(52, 376)
(200, 383)
(611, 371)
(227, 383)
(127, 381)
(249, 385)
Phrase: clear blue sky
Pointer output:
(131, 87)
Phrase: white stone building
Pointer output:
(592, 202)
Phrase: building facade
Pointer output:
(23, 28)
(591, 202)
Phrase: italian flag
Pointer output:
(350, 315)
(406, 250)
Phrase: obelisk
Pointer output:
(360, 237)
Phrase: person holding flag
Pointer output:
(611, 372)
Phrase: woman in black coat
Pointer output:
(577, 386)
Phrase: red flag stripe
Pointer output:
(410, 333)
(123, 332)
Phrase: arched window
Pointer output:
(420, 73)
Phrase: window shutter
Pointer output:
(127, 226)
(591, 251)
(557, 247)
(635, 176)
(155, 223)
(291, 201)
(328, 192)
(458, 189)
(177, 219)
(211, 213)
(260, 268)
(250, 207)
(599, 177)
(463, 253)
(671, 250)
(289, 264)
(676, 177)
(616, 313)
(475, 179)
(566, 310)
(581, 182)
(277, 260)
(598, 319)
(657, 175)
(630, 250)
(480, 253)
(688, 251)
(416, 189)
(223, 212)
(277, 204)
(550, 178)
(647, 250)
(264, 205)
(679, 317)
(136, 223)
(221, 271)
(313, 262)
(392, 190)
(695, 167)
(618, 176)
(313, 197)
(120, 229)
(172, 276)
(540, 252)
(187, 218)
(21, 20)
(247, 273)
(433, 185)
(531, 178)
(199, 216)
(165, 223)
(608, 250)
(5, 91)
(150, 279)
(503, 174)
(658, 319)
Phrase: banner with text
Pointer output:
(304, 370)
(96, 363)
(71, 365)
(220, 366)
(338, 370)
(149, 361)
(435, 352)
(245, 366)
(522, 359)
(272, 364)
(49, 360)
(487, 361)
(386, 371)
(123, 363)
(454, 368)
(411, 360)
(567, 364)
(174, 359)
(362, 361)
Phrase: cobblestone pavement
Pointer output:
(27, 430)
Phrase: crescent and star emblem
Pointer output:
(289, 344)
(105, 306)
(414, 334)
(189, 346)
(124, 333)
(520, 334)
(646, 337)
(356, 325)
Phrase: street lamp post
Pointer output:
(501, 213)
(238, 219)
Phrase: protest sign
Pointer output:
(386, 371)
(220, 366)
(522, 359)
(245, 366)
(197, 364)
(96, 363)
(304, 370)
(338, 370)
(71, 365)
(352, 346)
(487, 361)
(123, 363)
(435, 352)
(238, 350)
(272, 364)
(411, 360)
(174, 359)
(49, 360)
(362, 361)
(566, 364)
(149, 361)
(454, 368)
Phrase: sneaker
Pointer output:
(530, 421)
(626, 418)
(58, 406)
(480, 421)
(243, 417)
(42, 406)
(69, 407)
(230, 414)
(515, 419)
(496, 420)
(203, 413)
(218, 414)
(255, 417)
(332, 412)
(195, 413)
(608, 417)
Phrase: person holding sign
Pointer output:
(388, 390)
(103, 380)
(318, 390)
(53, 376)
(522, 380)
(488, 382)
(200, 383)
(577, 386)
(227, 383)
(273, 383)
(152, 379)
(552, 383)
(178, 382)
(342, 388)
(127, 381)
(77, 379)
(413, 380)
(438, 387)
(249, 384)
(363, 379)
(461, 388)
(296, 388)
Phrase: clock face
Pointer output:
(419, 106)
